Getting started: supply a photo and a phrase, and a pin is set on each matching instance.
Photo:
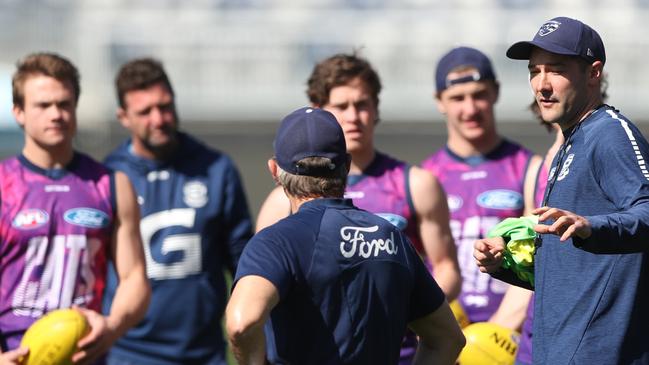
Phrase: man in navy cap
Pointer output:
(332, 284)
(591, 258)
(349, 87)
(482, 173)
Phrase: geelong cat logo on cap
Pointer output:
(549, 27)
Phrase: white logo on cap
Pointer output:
(590, 53)
(549, 27)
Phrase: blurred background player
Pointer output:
(195, 223)
(63, 217)
(340, 284)
(482, 173)
(348, 87)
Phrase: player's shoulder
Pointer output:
(8, 167)
(86, 158)
(434, 159)
(119, 156)
(87, 165)
(384, 164)
(422, 179)
(194, 149)
(287, 233)
(512, 148)
(611, 120)
(9, 162)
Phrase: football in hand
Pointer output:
(52, 339)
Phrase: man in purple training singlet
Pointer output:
(482, 173)
(408, 196)
(63, 217)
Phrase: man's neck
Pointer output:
(465, 148)
(51, 158)
(361, 160)
(296, 203)
(587, 110)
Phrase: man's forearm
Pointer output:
(130, 303)
(448, 278)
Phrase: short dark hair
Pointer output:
(302, 186)
(140, 74)
(46, 64)
(339, 70)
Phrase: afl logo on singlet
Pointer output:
(30, 219)
(500, 199)
(86, 217)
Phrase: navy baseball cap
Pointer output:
(309, 132)
(463, 56)
(564, 36)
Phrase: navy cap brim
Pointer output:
(522, 50)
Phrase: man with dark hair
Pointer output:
(408, 196)
(194, 225)
(590, 264)
(64, 216)
(339, 284)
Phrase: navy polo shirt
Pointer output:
(592, 295)
(348, 280)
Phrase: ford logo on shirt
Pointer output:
(500, 199)
(30, 219)
(398, 221)
(86, 217)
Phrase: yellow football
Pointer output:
(489, 344)
(52, 339)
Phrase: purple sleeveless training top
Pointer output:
(481, 191)
(55, 229)
(383, 189)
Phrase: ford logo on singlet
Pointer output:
(30, 219)
(500, 199)
(86, 217)
(396, 220)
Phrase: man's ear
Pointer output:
(19, 114)
(273, 169)
(596, 71)
(496, 85)
(123, 118)
(438, 102)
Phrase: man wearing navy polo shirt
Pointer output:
(331, 284)
(592, 256)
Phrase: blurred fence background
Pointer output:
(239, 65)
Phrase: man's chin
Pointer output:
(161, 146)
